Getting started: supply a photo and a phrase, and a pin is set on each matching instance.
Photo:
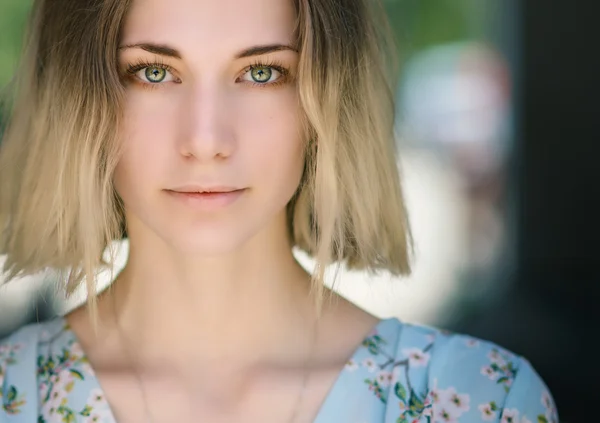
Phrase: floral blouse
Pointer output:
(401, 373)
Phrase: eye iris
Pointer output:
(261, 74)
(155, 74)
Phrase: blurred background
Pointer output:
(497, 138)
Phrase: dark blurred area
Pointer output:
(501, 95)
(551, 313)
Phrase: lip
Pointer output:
(207, 199)
(204, 189)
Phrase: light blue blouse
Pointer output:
(401, 373)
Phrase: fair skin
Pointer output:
(212, 308)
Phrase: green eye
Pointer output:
(155, 74)
(261, 74)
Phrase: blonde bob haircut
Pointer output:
(58, 206)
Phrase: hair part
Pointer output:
(61, 146)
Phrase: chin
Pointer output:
(211, 241)
(208, 235)
(209, 247)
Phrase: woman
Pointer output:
(219, 135)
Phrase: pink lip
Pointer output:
(202, 189)
(210, 199)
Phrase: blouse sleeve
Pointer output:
(529, 400)
(18, 379)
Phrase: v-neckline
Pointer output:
(324, 410)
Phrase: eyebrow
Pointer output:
(167, 51)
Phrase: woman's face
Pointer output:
(211, 105)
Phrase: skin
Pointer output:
(212, 308)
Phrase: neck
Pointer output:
(229, 308)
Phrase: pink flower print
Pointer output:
(99, 416)
(427, 405)
(416, 357)
(428, 412)
(428, 399)
(489, 372)
(435, 396)
(547, 400)
(86, 369)
(495, 357)
(397, 372)
(351, 365)
(510, 415)
(369, 363)
(96, 399)
(548, 403)
(445, 415)
(525, 420)
(63, 381)
(487, 412)
(459, 401)
(55, 397)
(43, 389)
(50, 407)
(384, 379)
(76, 351)
(94, 418)
(472, 342)
(54, 379)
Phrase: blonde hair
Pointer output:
(58, 206)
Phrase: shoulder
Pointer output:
(475, 378)
(19, 356)
(420, 372)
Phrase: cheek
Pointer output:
(147, 117)
(273, 138)
(144, 125)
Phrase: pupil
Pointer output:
(155, 74)
(261, 74)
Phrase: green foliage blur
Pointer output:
(13, 18)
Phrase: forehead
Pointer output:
(211, 26)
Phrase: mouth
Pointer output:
(198, 190)
(212, 198)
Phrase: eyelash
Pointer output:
(133, 68)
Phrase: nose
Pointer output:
(205, 128)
